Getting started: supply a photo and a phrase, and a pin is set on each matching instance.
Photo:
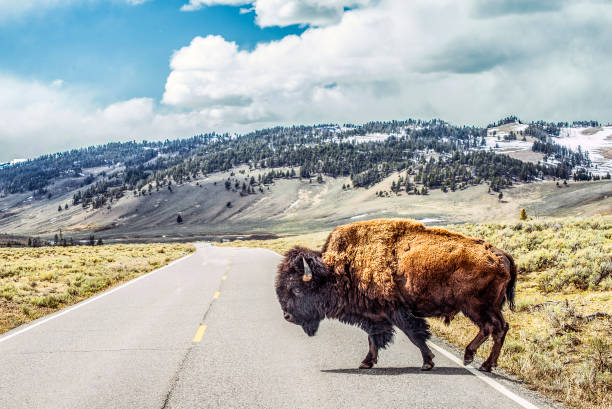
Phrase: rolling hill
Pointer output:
(300, 179)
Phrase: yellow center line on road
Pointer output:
(200, 333)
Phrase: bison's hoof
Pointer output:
(427, 366)
(366, 365)
(468, 357)
(485, 368)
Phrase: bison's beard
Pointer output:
(310, 327)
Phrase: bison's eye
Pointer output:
(297, 291)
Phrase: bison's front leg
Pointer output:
(376, 340)
(372, 356)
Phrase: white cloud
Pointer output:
(37, 118)
(464, 62)
(287, 12)
(198, 4)
(11, 9)
(421, 58)
(311, 12)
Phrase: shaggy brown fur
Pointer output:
(388, 258)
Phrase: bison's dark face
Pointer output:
(300, 288)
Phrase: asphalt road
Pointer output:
(207, 332)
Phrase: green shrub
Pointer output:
(8, 291)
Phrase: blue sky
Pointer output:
(119, 50)
(79, 72)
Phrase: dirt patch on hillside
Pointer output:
(606, 152)
(526, 156)
(592, 131)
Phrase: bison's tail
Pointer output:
(512, 284)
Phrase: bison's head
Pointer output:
(300, 285)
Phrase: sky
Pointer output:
(79, 72)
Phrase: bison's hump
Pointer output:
(378, 254)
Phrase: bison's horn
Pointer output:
(307, 271)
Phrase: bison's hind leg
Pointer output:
(478, 315)
(470, 350)
(500, 328)
(417, 330)
(490, 323)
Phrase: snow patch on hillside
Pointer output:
(507, 146)
(370, 137)
(429, 220)
(592, 140)
(293, 205)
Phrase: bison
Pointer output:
(382, 274)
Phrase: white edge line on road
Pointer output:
(90, 300)
(492, 383)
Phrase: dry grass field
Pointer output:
(37, 281)
(560, 338)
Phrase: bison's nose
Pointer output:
(288, 317)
